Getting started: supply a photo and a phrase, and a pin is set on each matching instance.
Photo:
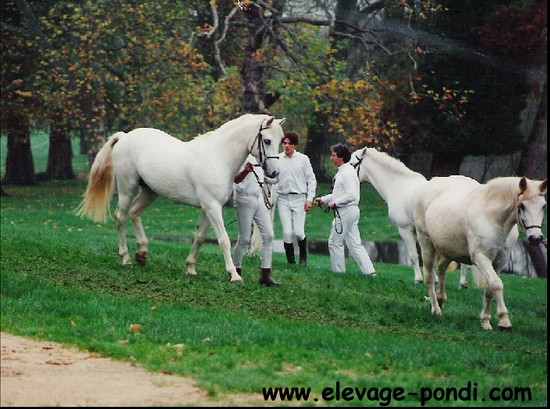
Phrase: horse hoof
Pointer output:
(141, 258)
(237, 280)
(418, 281)
(463, 287)
(505, 329)
(486, 326)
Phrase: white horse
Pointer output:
(396, 183)
(148, 162)
(476, 224)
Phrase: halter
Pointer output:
(520, 220)
(261, 148)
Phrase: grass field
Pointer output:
(61, 280)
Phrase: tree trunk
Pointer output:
(60, 155)
(252, 70)
(94, 140)
(534, 160)
(19, 160)
(317, 147)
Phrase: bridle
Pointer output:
(261, 147)
(357, 165)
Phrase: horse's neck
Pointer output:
(230, 146)
(500, 200)
(388, 177)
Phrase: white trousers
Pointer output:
(345, 228)
(292, 214)
(248, 209)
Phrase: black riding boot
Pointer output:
(303, 251)
(266, 279)
(239, 271)
(289, 250)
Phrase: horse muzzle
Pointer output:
(535, 238)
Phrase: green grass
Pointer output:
(61, 280)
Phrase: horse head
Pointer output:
(531, 204)
(265, 147)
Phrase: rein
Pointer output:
(337, 219)
(265, 192)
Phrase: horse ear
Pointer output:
(282, 121)
(269, 121)
(522, 185)
(543, 186)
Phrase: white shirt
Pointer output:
(249, 186)
(296, 175)
(346, 188)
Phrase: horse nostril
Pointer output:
(535, 239)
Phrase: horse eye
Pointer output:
(521, 206)
(267, 141)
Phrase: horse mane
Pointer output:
(389, 161)
(228, 126)
(504, 190)
(509, 185)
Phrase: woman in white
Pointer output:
(344, 200)
(250, 205)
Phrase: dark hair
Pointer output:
(292, 138)
(342, 151)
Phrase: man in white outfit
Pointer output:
(250, 205)
(295, 190)
(344, 200)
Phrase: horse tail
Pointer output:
(97, 197)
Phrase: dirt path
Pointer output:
(36, 373)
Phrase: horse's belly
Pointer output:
(446, 231)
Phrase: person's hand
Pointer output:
(248, 167)
(318, 201)
(307, 206)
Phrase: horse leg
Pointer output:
(442, 266)
(215, 217)
(428, 257)
(200, 235)
(124, 203)
(145, 198)
(495, 289)
(463, 283)
(410, 243)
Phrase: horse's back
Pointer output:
(438, 209)
(152, 157)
